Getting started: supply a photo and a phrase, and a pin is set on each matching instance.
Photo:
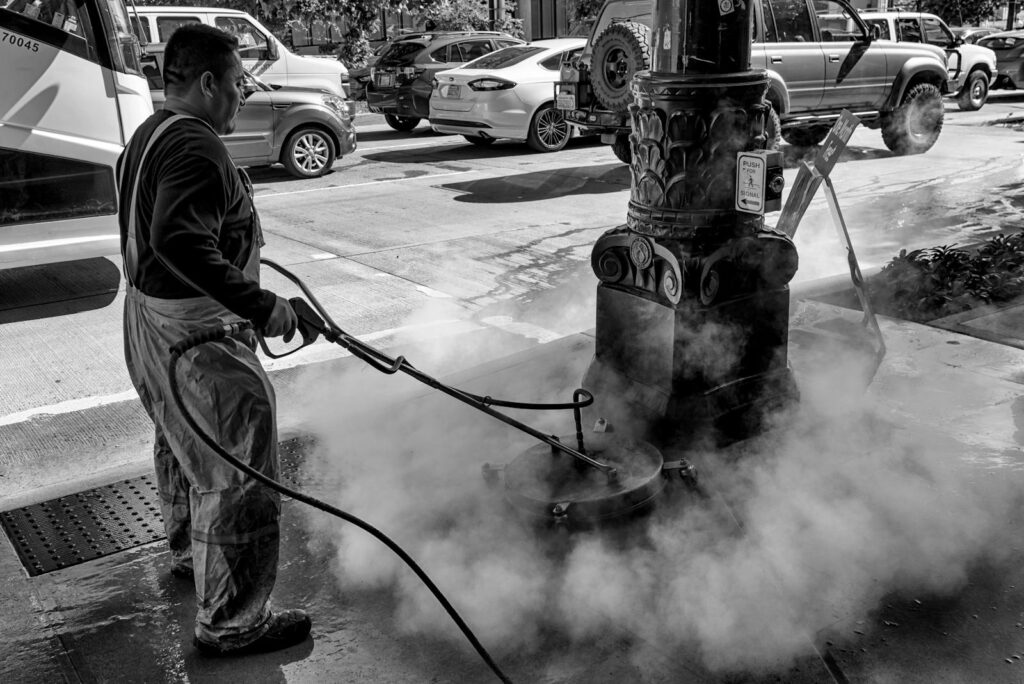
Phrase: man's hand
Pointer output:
(282, 321)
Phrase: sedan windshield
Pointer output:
(504, 58)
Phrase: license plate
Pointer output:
(451, 92)
(385, 80)
(565, 101)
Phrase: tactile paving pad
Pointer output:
(98, 522)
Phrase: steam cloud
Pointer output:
(805, 532)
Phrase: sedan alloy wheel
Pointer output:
(549, 131)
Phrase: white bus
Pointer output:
(71, 94)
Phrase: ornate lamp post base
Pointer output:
(693, 304)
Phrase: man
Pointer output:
(190, 238)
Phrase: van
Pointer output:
(262, 53)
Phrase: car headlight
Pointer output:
(335, 103)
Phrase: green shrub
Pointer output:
(931, 283)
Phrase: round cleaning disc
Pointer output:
(545, 482)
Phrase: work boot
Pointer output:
(183, 571)
(287, 628)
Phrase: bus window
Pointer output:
(39, 187)
(165, 26)
(65, 15)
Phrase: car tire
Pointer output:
(622, 149)
(807, 136)
(308, 153)
(974, 94)
(773, 129)
(619, 52)
(479, 140)
(401, 123)
(549, 131)
(914, 126)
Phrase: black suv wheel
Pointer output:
(915, 125)
(974, 93)
(772, 128)
(622, 149)
(621, 51)
(808, 136)
(401, 123)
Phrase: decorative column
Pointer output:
(693, 301)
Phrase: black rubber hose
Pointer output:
(213, 334)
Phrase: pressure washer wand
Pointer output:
(317, 320)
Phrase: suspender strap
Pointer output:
(130, 256)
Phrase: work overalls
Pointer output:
(218, 519)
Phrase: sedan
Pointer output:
(972, 34)
(1009, 49)
(506, 94)
(305, 129)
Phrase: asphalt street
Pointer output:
(419, 236)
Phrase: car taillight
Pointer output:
(491, 84)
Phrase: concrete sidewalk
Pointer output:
(952, 397)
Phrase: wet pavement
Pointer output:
(871, 536)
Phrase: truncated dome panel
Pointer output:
(98, 522)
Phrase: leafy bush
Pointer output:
(926, 284)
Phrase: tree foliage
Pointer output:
(360, 19)
(584, 9)
(955, 12)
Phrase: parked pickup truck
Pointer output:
(973, 67)
(893, 86)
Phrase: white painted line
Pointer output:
(432, 143)
(322, 256)
(527, 330)
(322, 351)
(431, 292)
(325, 351)
(315, 354)
(59, 242)
(361, 185)
(67, 407)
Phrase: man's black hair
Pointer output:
(195, 48)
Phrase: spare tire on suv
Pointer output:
(620, 51)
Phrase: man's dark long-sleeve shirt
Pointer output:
(195, 225)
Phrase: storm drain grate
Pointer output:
(79, 527)
(98, 522)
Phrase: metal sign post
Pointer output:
(809, 179)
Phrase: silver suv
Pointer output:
(305, 129)
(973, 67)
(820, 59)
